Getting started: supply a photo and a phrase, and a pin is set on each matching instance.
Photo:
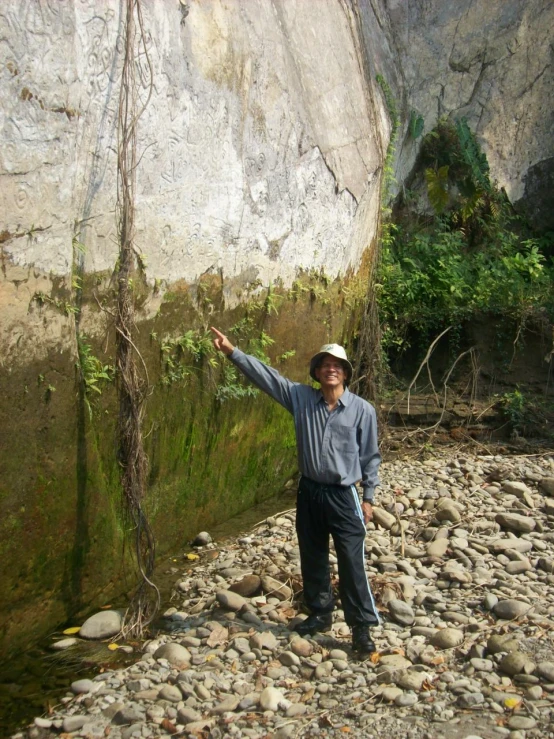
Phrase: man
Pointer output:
(336, 438)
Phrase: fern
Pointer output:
(472, 155)
(416, 125)
(437, 188)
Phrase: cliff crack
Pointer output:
(530, 86)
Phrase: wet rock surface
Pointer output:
(464, 583)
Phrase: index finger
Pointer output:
(217, 333)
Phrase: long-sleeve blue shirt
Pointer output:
(337, 447)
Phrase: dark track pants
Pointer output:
(333, 509)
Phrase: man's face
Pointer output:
(330, 373)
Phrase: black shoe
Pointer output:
(314, 623)
(362, 643)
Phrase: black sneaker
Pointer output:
(362, 643)
(314, 623)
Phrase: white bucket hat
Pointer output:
(335, 350)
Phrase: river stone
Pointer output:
(388, 666)
(401, 612)
(175, 654)
(127, 715)
(248, 586)
(518, 567)
(264, 640)
(301, 647)
(545, 564)
(521, 722)
(513, 663)
(288, 659)
(502, 643)
(515, 522)
(390, 694)
(296, 709)
(448, 512)
(276, 589)
(201, 539)
(82, 686)
(409, 679)
(229, 703)
(533, 693)
(102, 625)
(74, 723)
(324, 670)
(383, 518)
(546, 486)
(515, 488)
(170, 693)
(482, 665)
(517, 545)
(43, 723)
(470, 700)
(65, 643)
(229, 600)
(511, 608)
(110, 710)
(447, 638)
(271, 699)
(437, 548)
(405, 700)
(187, 714)
(546, 671)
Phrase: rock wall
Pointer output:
(256, 158)
(490, 62)
(261, 156)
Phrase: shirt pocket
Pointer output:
(343, 440)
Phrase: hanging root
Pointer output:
(132, 387)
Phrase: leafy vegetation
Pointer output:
(471, 256)
(93, 372)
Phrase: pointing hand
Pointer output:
(221, 342)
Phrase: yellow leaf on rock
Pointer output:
(72, 630)
(375, 657)
(512, 702)
(192, 556)
(113, 647)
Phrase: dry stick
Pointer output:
(424, 362)
(445, 387)
(402, 538)
(329, 712)
(276, 515)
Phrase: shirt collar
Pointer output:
(345, 399)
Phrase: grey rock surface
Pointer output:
(102, 625)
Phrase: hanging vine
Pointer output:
(132, 374)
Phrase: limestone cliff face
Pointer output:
(490, 62)
(262, 145)
(259, 150)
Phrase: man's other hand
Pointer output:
(221, 342)
(367, 510)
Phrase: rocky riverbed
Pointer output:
(461, 559)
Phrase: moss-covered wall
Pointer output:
(62, 530)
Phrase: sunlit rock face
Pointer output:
(490, 62)
(256, 147)
(262, 143)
